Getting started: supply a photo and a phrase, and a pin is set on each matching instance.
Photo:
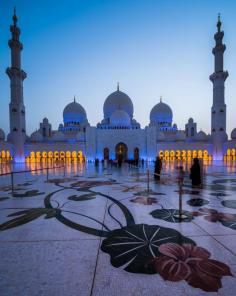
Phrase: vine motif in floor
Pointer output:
(137, 248)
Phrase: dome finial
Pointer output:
(219, 22)
(160, 99)
(74, 99)
(118, 86)
(14, 17)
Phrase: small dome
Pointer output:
(36, 137)
(2, 135)
(201, 136)
(190, 120)
(118, 100)
(58, 136)
(161, 113)
(9, 137)
(74, 112)
(180, 136)
(233, 134)
(45, 120)
(120, 118)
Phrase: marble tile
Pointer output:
(228, 241)
(47, 268)
(213, 228)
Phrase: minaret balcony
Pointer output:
(219, 48)
(219, 75)
(15, 44)
(15, 72)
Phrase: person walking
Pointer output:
(158, 168)
(195, 173)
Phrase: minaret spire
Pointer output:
(219, 23)
(16, 106)
(118, 86)
(218, 110)
(14, 18)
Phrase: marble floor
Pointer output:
(104, 231)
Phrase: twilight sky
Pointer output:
(152, 47)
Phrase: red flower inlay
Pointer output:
(212, 215)
(144, 200)
(190, 263)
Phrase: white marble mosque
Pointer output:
(118, 133)
(81, 229)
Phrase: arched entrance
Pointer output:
(121, 151)
(106, 153)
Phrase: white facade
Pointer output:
(118, 134)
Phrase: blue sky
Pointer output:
(152, 47)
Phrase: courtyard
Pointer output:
(86, 230)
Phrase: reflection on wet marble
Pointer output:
(96, 231)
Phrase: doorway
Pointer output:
(121, 151)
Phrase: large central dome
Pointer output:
(118, 101)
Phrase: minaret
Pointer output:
(16, 106)
(218, 110)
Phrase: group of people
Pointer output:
(119, 161)
(195, 172)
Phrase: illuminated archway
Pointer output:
(5, 156)
(121, 151)
(161, 153)
(199, 154)
(68, 154)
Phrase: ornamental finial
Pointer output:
(160, 99)
(74, 99)
(118, 86)
(14, 17)
(219, 22)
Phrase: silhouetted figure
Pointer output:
(96, 162)
(119, 161)
(142, 161)
(195, 173)
(158, 167)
